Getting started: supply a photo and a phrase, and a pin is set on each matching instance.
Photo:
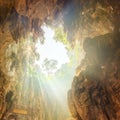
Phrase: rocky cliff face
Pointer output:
(25, 16)
(95, 92)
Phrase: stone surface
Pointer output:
(95, 92)
(25, 16)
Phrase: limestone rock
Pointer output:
(95, 92)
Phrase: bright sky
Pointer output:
(51, 49)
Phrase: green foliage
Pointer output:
(60, 35)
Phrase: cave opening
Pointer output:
(41, 73)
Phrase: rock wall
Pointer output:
(95, 92)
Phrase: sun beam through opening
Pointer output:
(44, 81)
(51, 50)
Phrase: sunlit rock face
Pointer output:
(95, 91)
(90, 18)
(25, 16)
